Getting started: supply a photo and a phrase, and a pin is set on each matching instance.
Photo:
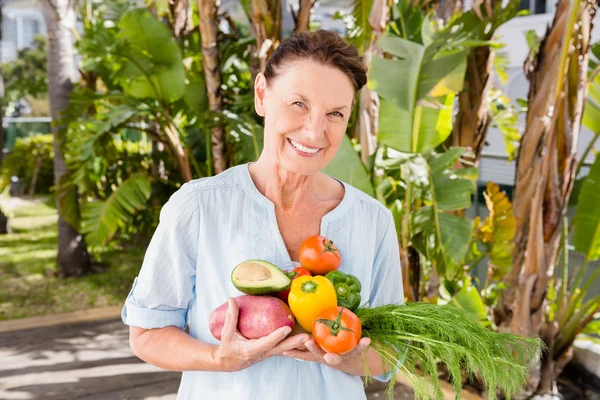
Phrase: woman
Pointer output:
(265, 210)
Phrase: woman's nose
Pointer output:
(315, 127)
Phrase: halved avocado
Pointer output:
(259, 277)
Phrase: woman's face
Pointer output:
(306, 109)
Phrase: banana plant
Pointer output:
(492, 238)
(572, 304)
(102, 218)
(417, 83)
(591, 113)
(141, 83)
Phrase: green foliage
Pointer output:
(144, 99)
(586, 237)
(32, 156)
(505, 118)
(347, 166)
(152, 64)
(440, 238)
(451, 336)
(572, 305)
(27, 74)
(101, 219)
(358, 29)
(498, 231)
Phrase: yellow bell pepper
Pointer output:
(309, 295)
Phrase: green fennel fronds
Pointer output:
(423, 334)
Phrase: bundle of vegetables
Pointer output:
(325, 302)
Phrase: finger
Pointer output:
(332, 358)
(359, 350)
(302, 355)
(231, 319)
(293, 343)
(266, 343)
(314, 348)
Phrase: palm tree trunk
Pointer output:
(73, 258)
(3, 218)
(546, 165)
(210, 59)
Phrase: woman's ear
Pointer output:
(260, 87)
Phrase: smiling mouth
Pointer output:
(302, 148)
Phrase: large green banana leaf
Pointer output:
(452, 191)
(417, 91)
(418, 72)
(586, 237)
(101, 219)
(348, 167)
(591, 113)
(154, 67)
(419, 131)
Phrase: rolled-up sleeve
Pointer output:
(165, 286)
(387, 277)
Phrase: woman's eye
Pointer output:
(337, 114)
(299, 104)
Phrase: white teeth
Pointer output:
(302, 148)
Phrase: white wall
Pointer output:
(18, 14)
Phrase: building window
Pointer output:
(9, 29)
(31, 27)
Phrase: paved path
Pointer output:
(91, 361)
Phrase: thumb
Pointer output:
(231, 320)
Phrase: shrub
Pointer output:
(31, 162)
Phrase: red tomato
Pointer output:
(293, 274)
(319, 255)
(337, 330)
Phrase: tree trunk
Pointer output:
(474, 117)
(3, 218)
(446, 9)
(266, 24)
(210, 60)
(180, 17)
(73, 258)
(36, 172)
(546, 166)
(303, 17)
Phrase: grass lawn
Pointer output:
(28, 285)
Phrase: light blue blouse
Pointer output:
(208, 227)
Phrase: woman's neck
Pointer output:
(284, 188)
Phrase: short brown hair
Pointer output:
(322, 46)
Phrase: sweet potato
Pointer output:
(259, 316)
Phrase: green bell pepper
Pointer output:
(347, 289)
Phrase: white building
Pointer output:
(21, 21)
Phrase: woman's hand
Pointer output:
(236, 352)
(352, 363)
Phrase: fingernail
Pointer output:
(287, 330)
